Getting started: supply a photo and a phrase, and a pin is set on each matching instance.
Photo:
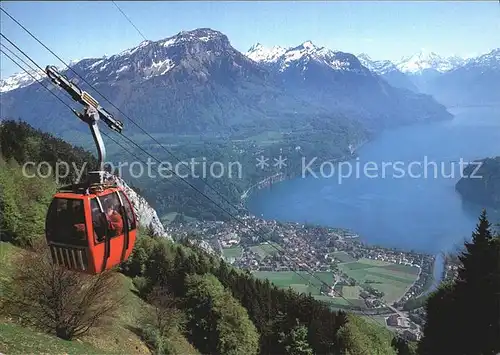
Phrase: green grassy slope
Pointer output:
(118, 337)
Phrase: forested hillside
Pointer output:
(481, 182)
(174, 298)
(23, 200)
(185, 296)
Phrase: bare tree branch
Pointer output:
(58, 300)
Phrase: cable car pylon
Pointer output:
(90, 226)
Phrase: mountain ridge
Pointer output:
(474, 83)
(428, 60)
(389, 71)
(453, 81)
(282, 57)
(195, 81)
(411, 64)
(341, 80)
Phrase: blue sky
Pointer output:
(384, 30)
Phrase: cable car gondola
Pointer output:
(91, 226)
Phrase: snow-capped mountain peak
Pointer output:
(259, 53)
(301, 55)
(490, 59)
(424, 60)
(308, 45)
(379, 67)
(388, 71)
(20, 80)
(143, 62)
(364, 57)
(308, 52)
(299, 52)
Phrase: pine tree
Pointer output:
(295, 342)
(476, 287)
(474, 266)
(444, 323)
(463, 317)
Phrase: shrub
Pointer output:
(58, 300)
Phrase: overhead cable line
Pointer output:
(34, 78)
(146, 152)
(184, 180)
(54, 94)
(129, 20)
(226, 200)
(311, 273)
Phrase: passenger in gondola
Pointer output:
(115, 220)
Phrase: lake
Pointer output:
(396, 202)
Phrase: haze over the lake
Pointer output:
(409, 213)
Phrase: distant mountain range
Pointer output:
(414, 72)
(339, 81)
(453, 81)
(389, 71)
(196, 81)
(424, 60)
(477, 82)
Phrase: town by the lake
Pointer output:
(330, 264)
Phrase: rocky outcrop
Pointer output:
(206, 247)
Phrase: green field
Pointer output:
(343, 257)
(168, 218)
(266, 249)
(392, 279)
(402, 268)
(265, 138)
(342, 303)
(302, 281)
(234, 252)
(351, 291)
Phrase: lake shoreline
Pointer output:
(269, 181)
(279, 178)
(465, 122)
